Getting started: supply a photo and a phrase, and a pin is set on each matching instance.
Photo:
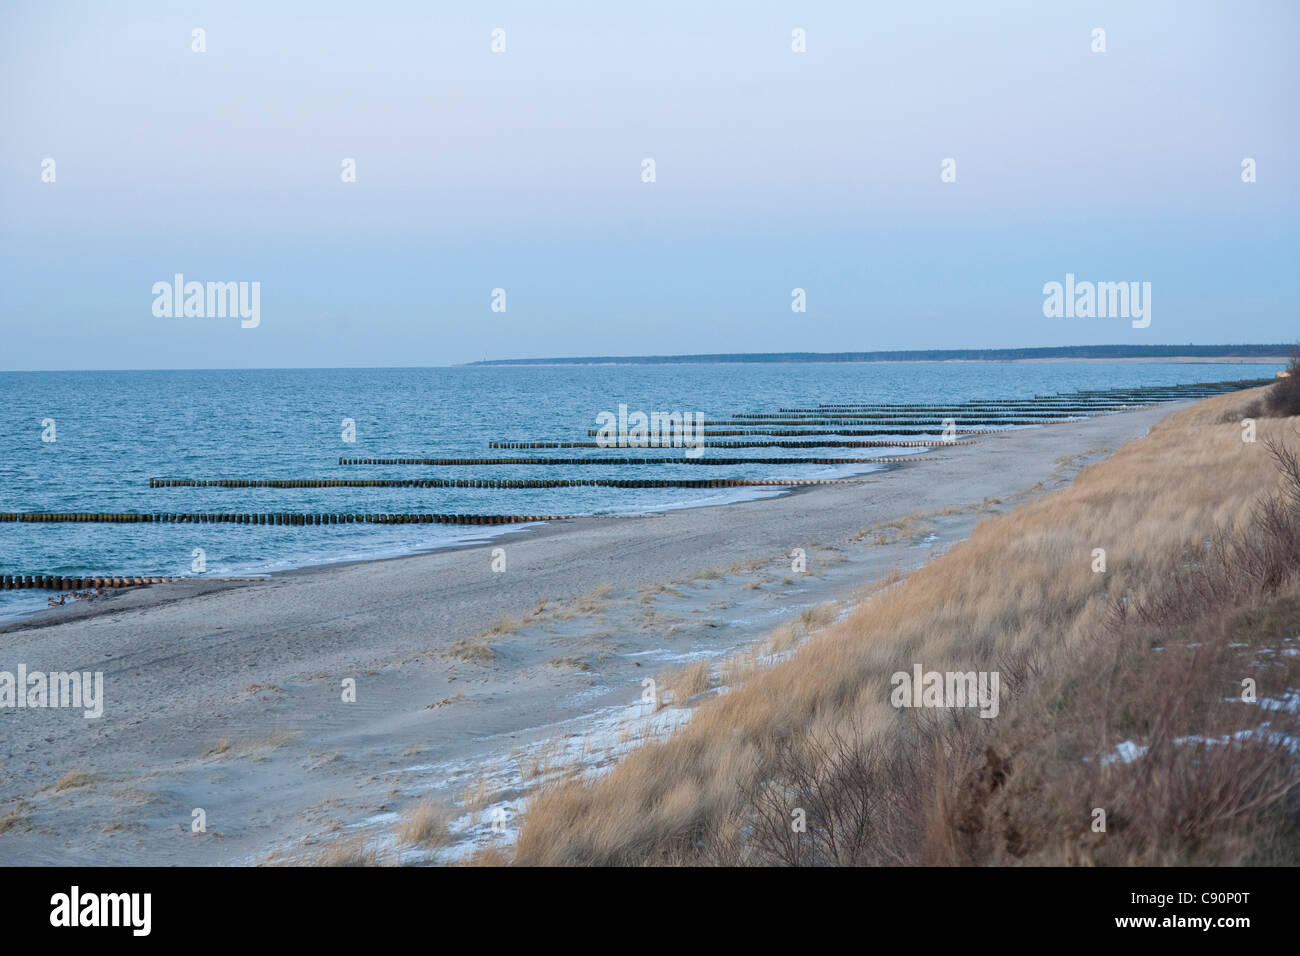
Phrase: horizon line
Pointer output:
(1261, 352)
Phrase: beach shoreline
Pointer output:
(194, 586)
(230, 698)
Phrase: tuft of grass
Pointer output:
(258, 748)
(346, 851)
(487, 856)
(737, 668)
(503, 626)
(76, 778)
(424, 825)
(785, 638)
(888, 580)
(478, 795)
(899, 529)
(541, 761)
(678, 687)
(651, 591)
(12, 817)
(815, 618)
(791, 634)
(593, 602)
(476, 650)
(445, 702)
(280, 738)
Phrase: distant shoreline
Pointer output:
(1260, 353)
(1171, 359)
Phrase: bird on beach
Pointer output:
(59, 601)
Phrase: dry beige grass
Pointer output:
(737, 668)
(651, 591)
(504, 626)
(76, 778)
(13, 816)
(870, 589)
(479, 648)
(343, 851)
(785, 638)
(593, 602)
(898, 529)
(256, 748)
(550, 758)
(455, 698)
(475, 650)
(280, 738)
(1019, 596)
(477, 795)
(679, 686)
(488, 856)
(424, 825)
(790, 635)
(815, 618)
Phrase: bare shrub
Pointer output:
(849, 800)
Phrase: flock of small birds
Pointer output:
(87, 595)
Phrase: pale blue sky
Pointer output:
(522, 171)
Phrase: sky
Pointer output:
(523, 171)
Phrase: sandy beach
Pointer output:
(229, 698)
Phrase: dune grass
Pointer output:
(681, 685)
(424, 825)
(1145, 658)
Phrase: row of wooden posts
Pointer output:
(633, 461)
(276, 518)
(51, 582)
(501, 483)
(733, 444)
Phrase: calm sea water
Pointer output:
(115, 430)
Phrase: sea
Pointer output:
(91, 442)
